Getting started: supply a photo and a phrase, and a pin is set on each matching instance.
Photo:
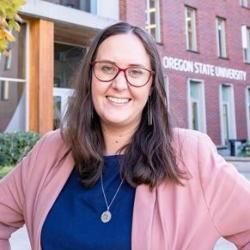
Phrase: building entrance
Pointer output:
(67, 60)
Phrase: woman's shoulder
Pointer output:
(191, 146)
(188, 137)
(187, 133)
(53, 136)
(52, 140)
(50, 148)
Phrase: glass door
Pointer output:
(67, 59)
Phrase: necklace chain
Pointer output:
(105, 197)
(106, 215)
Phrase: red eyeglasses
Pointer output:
(106, 71)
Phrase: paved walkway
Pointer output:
(19, 240)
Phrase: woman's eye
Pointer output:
(135, 72)
(107, 69)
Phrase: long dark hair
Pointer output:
(149, 158)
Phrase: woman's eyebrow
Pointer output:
(129, 65)
(137, 65)
(108, 61)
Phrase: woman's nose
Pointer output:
(120, 82)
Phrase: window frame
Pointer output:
(202, 124)
(232, 119)
(248, 110)
(25, 79)
(194, 46)
(221, 41)
(4, 90)
(244, 3)
(245, 38)
(157, 25)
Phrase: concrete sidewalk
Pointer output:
(19, 240)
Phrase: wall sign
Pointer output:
(203, 69)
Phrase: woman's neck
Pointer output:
(115, 138)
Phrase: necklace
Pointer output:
(106, 215)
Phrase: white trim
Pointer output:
(221, 116)
(27, 85)
(109, 9)
(232, 121)
(247, 112)
(60, 13)
(202, 124)
(11, 79)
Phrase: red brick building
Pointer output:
(205, 51)
(204, 47)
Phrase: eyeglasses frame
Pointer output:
(121, 70)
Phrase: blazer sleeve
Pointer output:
(12, 196)
(227, 194)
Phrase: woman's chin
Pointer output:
(120, 122)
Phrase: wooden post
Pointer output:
(41, 75)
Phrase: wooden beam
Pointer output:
(41, 75)
(33, 81)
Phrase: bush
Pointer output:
(5, 170)
(245, 149)
(13, 146)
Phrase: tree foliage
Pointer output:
(9, 20)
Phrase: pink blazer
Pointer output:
(214, 202)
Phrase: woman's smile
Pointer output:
(118, 100)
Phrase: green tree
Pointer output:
(9, 20)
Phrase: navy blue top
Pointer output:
(74, 223)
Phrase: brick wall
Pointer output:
(174, 44)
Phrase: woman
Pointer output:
(117, 176)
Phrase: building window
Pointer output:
(66, 60)
(227, 114)
(248, 110)
(13, 89)
(221, 37)
(85, 5)
(244, 3)
(8, 60)
(153, 19)
(196, 105)
(4, 90)
(245, 33)
(88, 5)
(191, 38)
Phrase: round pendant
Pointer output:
(106, 216)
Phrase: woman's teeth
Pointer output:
(118, 100)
